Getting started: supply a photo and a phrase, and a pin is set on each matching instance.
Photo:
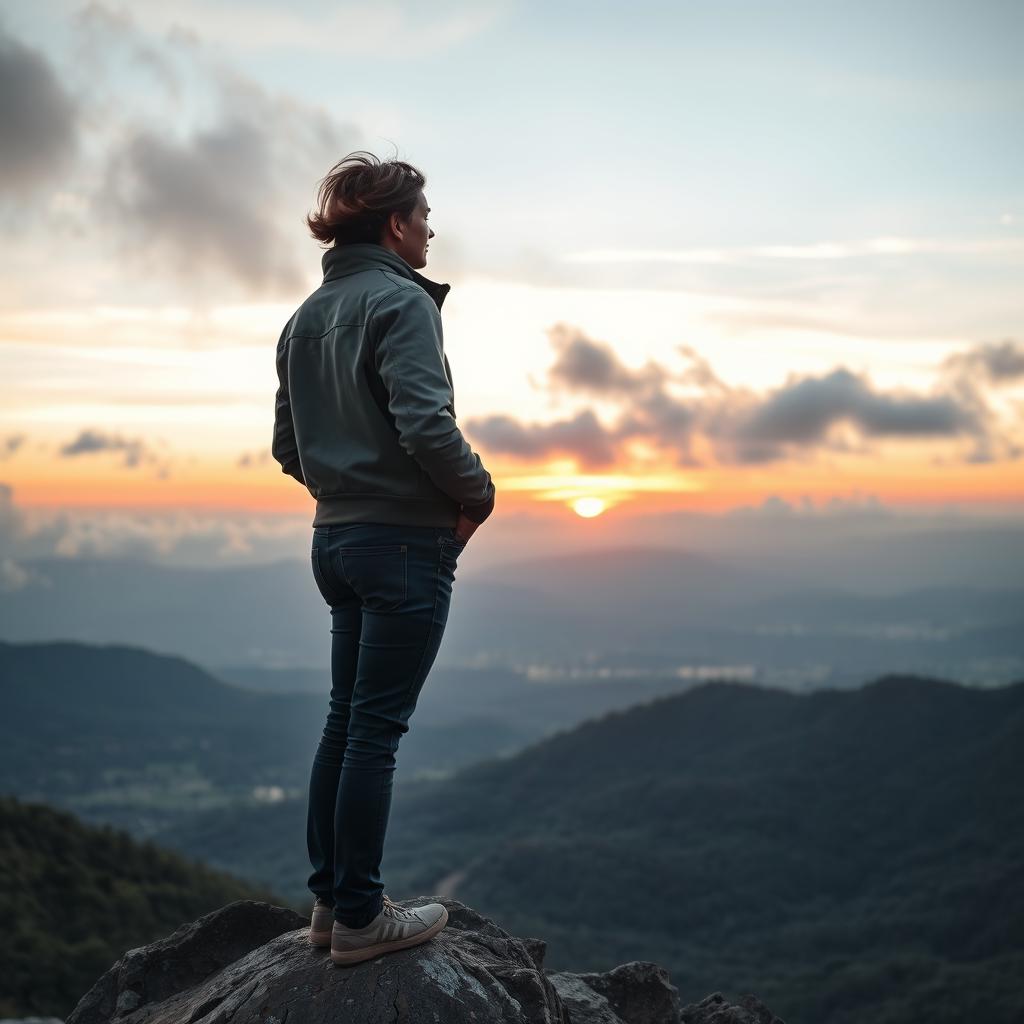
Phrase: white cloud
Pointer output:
(871, 247)
(393, 30)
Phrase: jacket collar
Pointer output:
(357, 256)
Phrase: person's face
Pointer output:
(411, 238)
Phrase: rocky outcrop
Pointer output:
(251, 962)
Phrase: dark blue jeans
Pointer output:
(389, 589)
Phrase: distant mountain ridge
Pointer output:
(136, 739)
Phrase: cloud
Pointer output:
(815, 251)
(228, 196)
(174, 537)
(204, 201)
(136, 451)
(995, 362)
(803, 411)
(38, 119)
(975, 376)
(588, 366)
(10, 518)
(15, 535)
(582, 437)
(253, 461)
(774, 507)
(839, 410)
(12, 575)
(196, 176)
(340, 29)
(10, 444)
(591, 367)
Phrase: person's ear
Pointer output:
(395, 223)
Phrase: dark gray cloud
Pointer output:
(219, 204)
(737, 425)
(136, 452)
(204, 202)
(248, 460)
(803, 412)
(698, 372)
(995, 362)
(10, 444)
(38, 119)
(591, 367)
(581, 437)
(972, 376)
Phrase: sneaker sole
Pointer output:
(319, 938)
(354, 956)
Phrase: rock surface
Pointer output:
(713, 1009)
(252, 962)
(633, 993)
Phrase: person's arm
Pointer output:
(283, 447)
(409, 356)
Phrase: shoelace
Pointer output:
(396, 911)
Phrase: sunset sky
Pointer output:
(703, 257)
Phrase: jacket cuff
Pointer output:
(478, 513)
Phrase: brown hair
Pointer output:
(359, 193)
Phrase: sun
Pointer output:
(588, 507)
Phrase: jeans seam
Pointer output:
(376, 831)
(430, 634)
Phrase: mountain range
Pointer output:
(847, 855)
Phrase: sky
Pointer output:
(704, 258)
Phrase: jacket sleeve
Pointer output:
(409, 356)
(283, 447)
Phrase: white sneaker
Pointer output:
(394, 927)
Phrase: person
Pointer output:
(365, 420)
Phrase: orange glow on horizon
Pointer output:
(262, 490)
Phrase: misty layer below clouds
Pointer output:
(857, 544)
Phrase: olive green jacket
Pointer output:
(365, 408)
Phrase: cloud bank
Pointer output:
(195, 179)
(708, 421)
(39, 119)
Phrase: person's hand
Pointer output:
(464, 528)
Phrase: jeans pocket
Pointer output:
(379, 574)
(325, 581)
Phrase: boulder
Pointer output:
(251, 962)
